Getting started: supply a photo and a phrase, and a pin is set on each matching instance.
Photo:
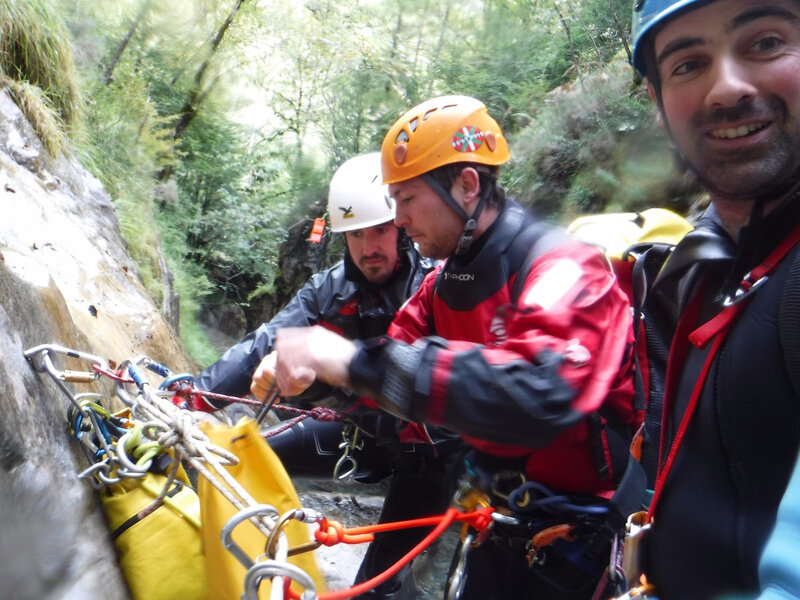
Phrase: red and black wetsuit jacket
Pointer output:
(547, 378)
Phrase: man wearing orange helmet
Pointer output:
(520, 343)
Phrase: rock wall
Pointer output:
(65, 278)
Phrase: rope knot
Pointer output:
(320, 413)
(482, 518)
(333, 533)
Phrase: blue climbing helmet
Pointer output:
(650, 14)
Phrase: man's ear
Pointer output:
(652, 93)
(650, 89)
(467, 187)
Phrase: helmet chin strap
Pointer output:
(470, 221)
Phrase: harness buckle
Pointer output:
(470, 497)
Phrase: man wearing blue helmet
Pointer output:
(725, 75)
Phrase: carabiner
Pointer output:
(458, 578)
(300, 514)
(226, 534)
(348, 445)
(339, 472)
(272, 568)
(746, 287)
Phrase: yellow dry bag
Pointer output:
(261, 473)
(160, 554)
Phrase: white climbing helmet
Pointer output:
(356, 196)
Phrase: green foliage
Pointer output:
(232, 202)
(127, 142)
(293, 89)
(594, 148)
(36, 65)
(191, 284)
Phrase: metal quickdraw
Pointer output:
(347, 466)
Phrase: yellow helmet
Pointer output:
(441, 131)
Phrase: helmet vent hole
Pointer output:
(401, 137)
(428, 114)
(413, 124)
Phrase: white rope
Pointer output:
(175, 428)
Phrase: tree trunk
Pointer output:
(108, 73)
(440, 41)
(569, 39)
(600, 61)
(623, 36)
(189, 111)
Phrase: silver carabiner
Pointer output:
(348, 462)
(349, 443)
(743, 292)
(458, 579)
(272, 568)
(226, 534)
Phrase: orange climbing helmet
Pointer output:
(441, 131)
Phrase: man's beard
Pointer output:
(377, 274)
(749, 173)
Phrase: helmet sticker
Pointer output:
(347, 213)
(467, 139)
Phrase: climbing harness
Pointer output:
(142, 450)
(573, 541)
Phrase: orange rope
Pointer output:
(331, 533)
(335, 533)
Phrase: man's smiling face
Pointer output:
(730, 89)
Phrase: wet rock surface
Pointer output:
(65, 278)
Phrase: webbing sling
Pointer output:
(715, 329)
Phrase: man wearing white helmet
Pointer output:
(725, 75)
(357, 298)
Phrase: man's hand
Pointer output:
(304, 354)
(263, 376)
